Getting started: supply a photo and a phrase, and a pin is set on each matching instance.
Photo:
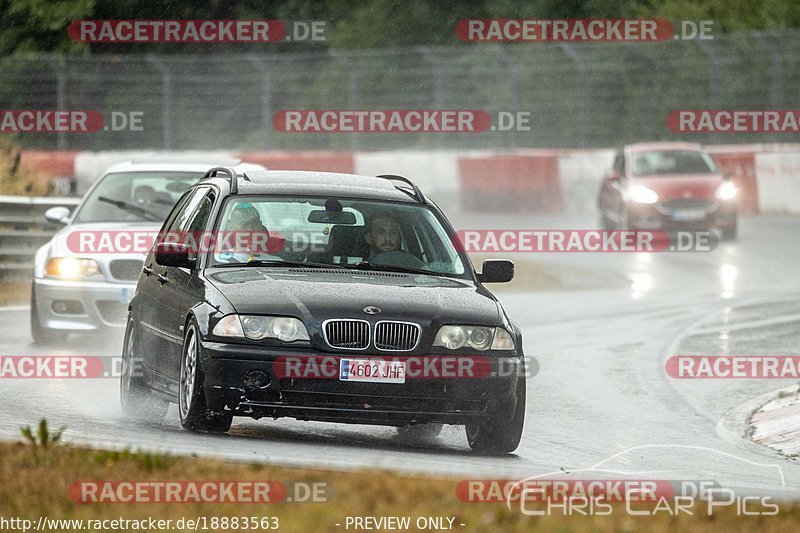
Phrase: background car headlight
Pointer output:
(71, 268)
(477, 337)
(286, 329)
(643, 195)
(726, 191)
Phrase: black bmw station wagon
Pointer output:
(320, 296)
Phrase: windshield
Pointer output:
(135, 196)
(672, 162)
(335, 233)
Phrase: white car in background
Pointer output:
(79, 291)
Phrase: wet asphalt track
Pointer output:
(601, 331)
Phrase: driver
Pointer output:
(382, 234)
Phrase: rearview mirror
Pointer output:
(321, 216)
(173, 254)
(57, 215)
(496, 271)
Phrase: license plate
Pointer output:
(686, 215)
(125, 295)
(372, 370)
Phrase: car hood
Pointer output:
(679, 186)
(315, 295)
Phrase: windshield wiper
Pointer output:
(366, 265)
(132, 208)
(265, 262)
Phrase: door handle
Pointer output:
(147, 270)
(162, 278)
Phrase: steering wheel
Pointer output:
(397, 258)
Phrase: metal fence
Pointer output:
(22, 230)
(578, 94)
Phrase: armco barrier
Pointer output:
(23, 229)
(519, 183)
(778, 181)
(546, 181)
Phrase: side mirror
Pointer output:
(173, 254)
(496, 271)
(615, 176)
(57, 215)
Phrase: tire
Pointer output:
(40, 334)
(194, 414)
(419, 432)
(495, 436)
(135, 397)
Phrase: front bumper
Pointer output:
(82, 306)
(704, 216)
(448, 400)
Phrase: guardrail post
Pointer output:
(582, 91)
(514, 96)
(166, 101)
(352, 91)
(266, 95)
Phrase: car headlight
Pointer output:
(71, 268)
(283, 328)
(727, 191)
(643, 195)
(477, 337)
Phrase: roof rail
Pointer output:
(417, 193)
(232, 175)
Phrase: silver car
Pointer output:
(86, 274)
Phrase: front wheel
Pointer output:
(500, 436)
(192, 408)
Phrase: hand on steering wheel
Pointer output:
(397, 258)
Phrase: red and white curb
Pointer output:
(777, 423)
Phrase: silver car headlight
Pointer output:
(283, 328)
(477, 337)
(71, 268)
(727, 191)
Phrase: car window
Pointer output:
(135, 196)
(672, 162)
(183, 215)
(383, 233)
